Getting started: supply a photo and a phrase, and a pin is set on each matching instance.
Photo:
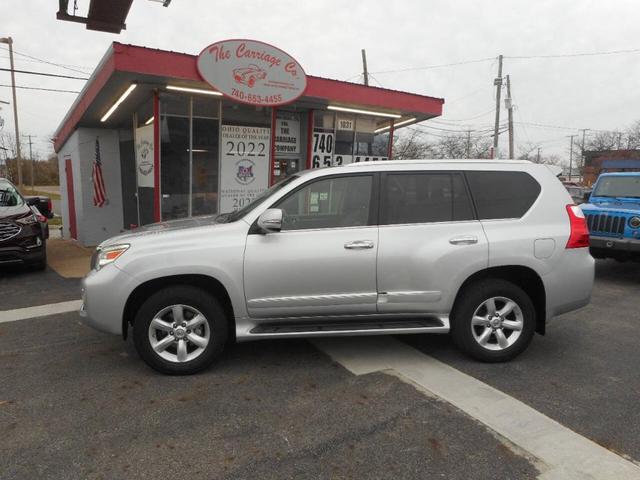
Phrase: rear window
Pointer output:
(502, 194)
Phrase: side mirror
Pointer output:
(271, 220)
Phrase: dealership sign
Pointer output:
(252, 72)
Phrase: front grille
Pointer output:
(8, 230)
(606, 224)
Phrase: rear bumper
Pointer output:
(619, 245)
(568, 287)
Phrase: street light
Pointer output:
(9, 41)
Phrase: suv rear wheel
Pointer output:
(180, 330)
(493, 320)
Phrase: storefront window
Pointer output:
(205, 127)
(189, 132)
(340, 139)
(245, 150)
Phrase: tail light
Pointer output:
(50, 206)
(579, 236)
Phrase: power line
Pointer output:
(22, 60)
(514, 57)
(583, 54)
(42, 89)
(491, 110)
(44, 74)
(559, 127)
(45, 61)
(429, 67)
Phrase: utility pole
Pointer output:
(9, 41)
(31, 158)
(509, 105)
(619, 139)
(468, 143)
(538, 160)
(498, 83)
(584, 131)
(571, 155)
(365, 72)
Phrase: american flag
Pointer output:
(99, 191)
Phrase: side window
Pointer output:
(328, 203)
(502, 194)
(425, 197)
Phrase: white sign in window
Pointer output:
(144, 156)
(368, 158)
(322, 152)
(244, 165)
(287, 136)
(345, 123)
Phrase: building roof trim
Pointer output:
(182, 66)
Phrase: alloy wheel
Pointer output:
(179, 333)
(497, 323)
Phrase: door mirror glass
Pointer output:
(271, 220)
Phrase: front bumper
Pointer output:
(618, 245)
(104, 294)
(26, 247)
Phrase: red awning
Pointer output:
(124, 64)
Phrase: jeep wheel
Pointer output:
(493, 320)
(180, 330)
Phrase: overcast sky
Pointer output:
(596, 92)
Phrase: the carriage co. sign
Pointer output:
(252, 72)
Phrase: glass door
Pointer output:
(174, 156)
(188, 156)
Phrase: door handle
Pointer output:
(464, 240)
(358, 245)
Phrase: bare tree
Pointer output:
(411, 145)
(603, 141)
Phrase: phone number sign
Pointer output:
(252, 72)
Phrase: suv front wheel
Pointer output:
(493, 320)
(180, 330)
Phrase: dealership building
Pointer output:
(158, 135)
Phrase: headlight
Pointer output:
(634, 222)
(28, 220)
(104, 256)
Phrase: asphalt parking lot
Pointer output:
(75, 403)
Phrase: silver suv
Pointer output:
(485, 250)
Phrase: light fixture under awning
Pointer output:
(194, 90)
(395, 125)
(118, 102)
(364, 112)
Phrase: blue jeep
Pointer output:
(613, 216)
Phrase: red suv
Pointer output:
(23, 230)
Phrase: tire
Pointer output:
(185, 346)
(498, 337)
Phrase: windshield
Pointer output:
(618, 187)
(9, 196)
(238, 214)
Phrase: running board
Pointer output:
(345, 327)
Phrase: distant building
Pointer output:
(597, 162)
